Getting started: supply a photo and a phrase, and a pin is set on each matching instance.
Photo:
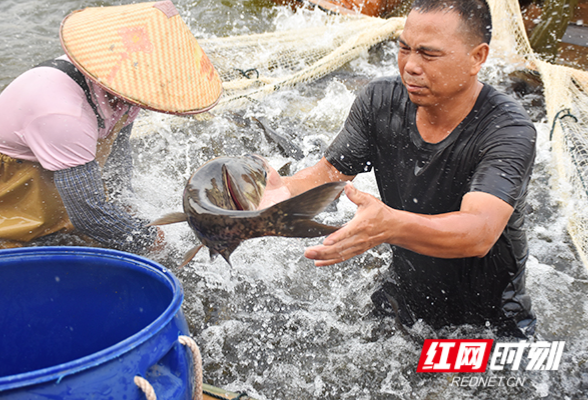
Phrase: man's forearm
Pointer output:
(470, 232)
(308, 178)
(451, 235)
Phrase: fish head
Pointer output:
(216, 194)
(245, 179)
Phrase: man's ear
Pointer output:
(479, 55)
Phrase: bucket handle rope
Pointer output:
(146, 387)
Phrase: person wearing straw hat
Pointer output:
(67, 120)
(452, 158)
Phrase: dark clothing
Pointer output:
(492, 151)
(82, 191)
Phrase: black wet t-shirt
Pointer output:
(491, 151)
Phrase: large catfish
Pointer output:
(220, 205)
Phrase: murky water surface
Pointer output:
(274, 325)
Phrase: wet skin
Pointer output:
(438, 64)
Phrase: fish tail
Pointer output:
(293, 217)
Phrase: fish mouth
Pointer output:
(241, 188)
(232, 192)
(265, 163)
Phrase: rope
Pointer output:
(246, 72)
(146, 387)
(191, 344)
(187, 341)
(558, 117)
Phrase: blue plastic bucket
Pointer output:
(81, 323)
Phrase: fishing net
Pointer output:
(254, 66)
(566, 100)
(272, 61)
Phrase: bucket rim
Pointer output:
(60, 371)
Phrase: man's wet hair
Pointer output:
(475, 14)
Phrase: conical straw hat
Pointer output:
(143, 53)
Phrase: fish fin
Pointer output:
(294, 216)
(190, 255)
(225, 252)
(227, 256)
(285, 169)
(170, 219)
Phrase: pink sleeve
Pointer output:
(133, 114)
(46, 118)
(62, 141)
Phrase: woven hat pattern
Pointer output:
(144, 53)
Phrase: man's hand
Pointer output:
(275, 190)
(367, 229)
(469, 232)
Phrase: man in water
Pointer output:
(63, 124)
(452, 158)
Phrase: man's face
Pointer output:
(434, 60)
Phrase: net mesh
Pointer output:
(566, 100)
(253, 66)
(277, 60)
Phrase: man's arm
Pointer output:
(469, 232)
(320, 173)
(282, 188)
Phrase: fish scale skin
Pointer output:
(211, 212)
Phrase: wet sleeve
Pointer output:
(82, 192)
(350, 151)
(506, 163)
(120, 159)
